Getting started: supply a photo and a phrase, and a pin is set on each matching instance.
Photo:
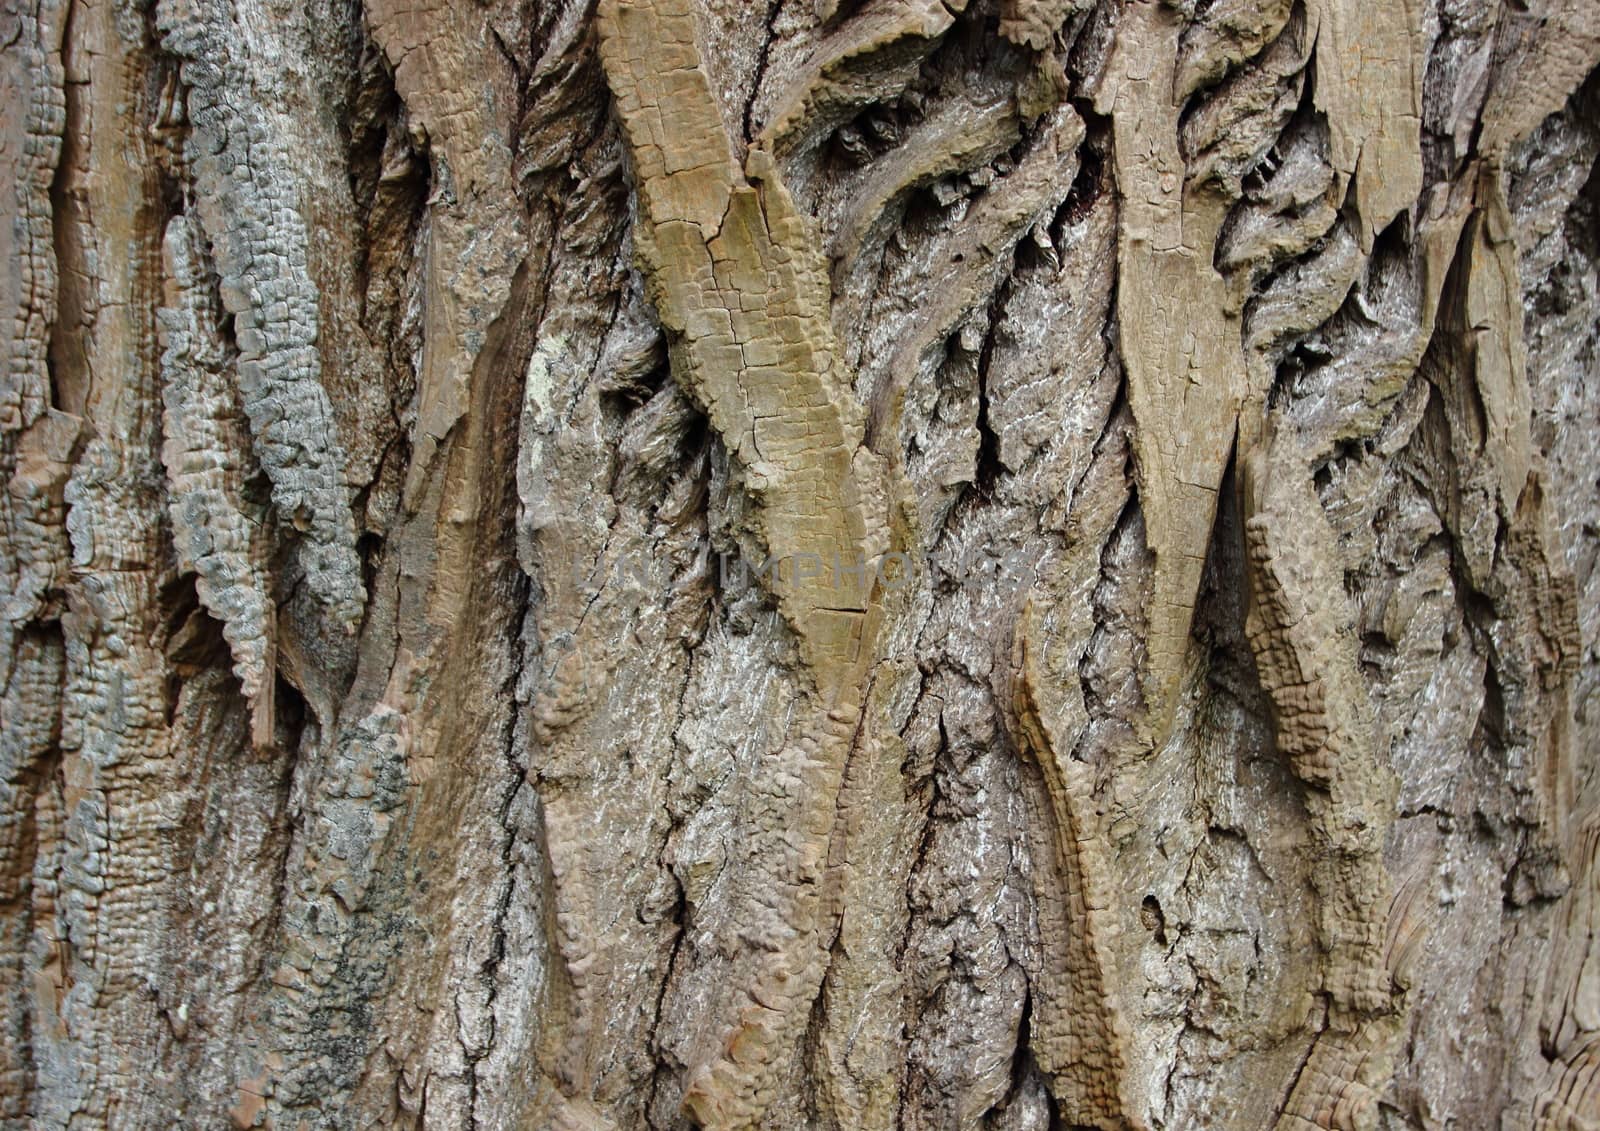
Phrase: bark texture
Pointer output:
(847, 564)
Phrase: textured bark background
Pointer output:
(404, 723)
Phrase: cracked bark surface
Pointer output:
(867, 564)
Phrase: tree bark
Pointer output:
(914, 564)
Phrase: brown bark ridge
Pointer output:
(874, 565)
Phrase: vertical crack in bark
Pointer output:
(477, 234)
(516, 780)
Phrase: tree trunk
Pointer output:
(913, 564)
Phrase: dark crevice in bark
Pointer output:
(292, 719)
(1230, 668)
(193, 642)
(1093, 176)
(1095, 674)
(989, 467)
(773, 8)
(1306, 119)
(662, 1067)
(44, 638)
(390, 183)
(516, 779)
(1021, 1054)
(68, 369)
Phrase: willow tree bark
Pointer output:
(915, 564)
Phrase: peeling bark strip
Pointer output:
(1187, 381)
(205, 457)
(1302, 636)
(1081, 1036)
(241, 146)
(1185, 377)
(381, 744)
(742, 292)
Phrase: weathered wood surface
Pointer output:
(855, 564)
